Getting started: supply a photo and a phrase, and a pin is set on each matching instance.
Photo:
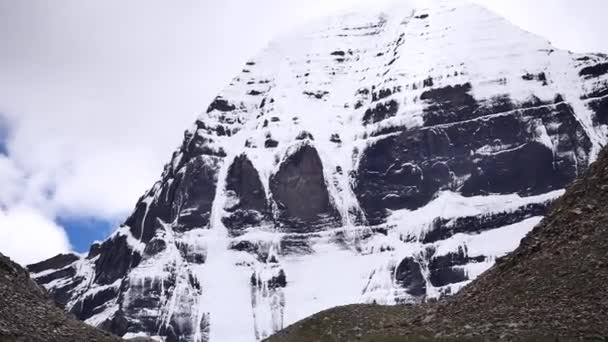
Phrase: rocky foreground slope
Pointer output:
(28, 314)
(383, 157)
(552, 287)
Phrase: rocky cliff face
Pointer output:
(387, 157)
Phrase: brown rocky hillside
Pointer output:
(28, 314)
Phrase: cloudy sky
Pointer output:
(95, 95)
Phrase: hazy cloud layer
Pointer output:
(28, 236)
(96, 94)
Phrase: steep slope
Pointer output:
(28, 314)
(552, 285)
(373, 157)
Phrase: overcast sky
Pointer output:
(95, 95)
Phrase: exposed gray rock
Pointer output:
(300, 193)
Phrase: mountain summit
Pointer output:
(368, 158)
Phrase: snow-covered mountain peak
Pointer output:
(383, 157)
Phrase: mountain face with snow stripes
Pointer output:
(372, 157)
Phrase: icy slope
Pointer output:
(386, 157)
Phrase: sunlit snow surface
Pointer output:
(309, 81)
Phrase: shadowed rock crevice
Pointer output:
(195, 192)
(409, 276)
(300, 193)
(116, 258)
(449, 104)
(57, 262)
(247, 205)
(442, 229)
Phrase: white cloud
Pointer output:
(27, 234)
(28, 237)
(106, 183)
(573, 25)
(11, 182)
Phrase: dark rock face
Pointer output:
(94, 250)
(153, 294)
(94, 304)
(270, 143)
(61, 266)
(600, 109)
(594, 70)
(66, 272)
(57, 262)
(304, 135)
(385, 182)
(243, 179)
(449, 275)
(116, 258)
(528, 170)
(449, 104)
(499, 154)
(442, 229)
(448, 269)
(443, 270)
(409, 276)
(382, 111)
(119, 324)
(248, 206)
(155, 246)
(196, 192)
(136, 220)
(299, 190)
(295, 245)
(277, 281)
(221, 105)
